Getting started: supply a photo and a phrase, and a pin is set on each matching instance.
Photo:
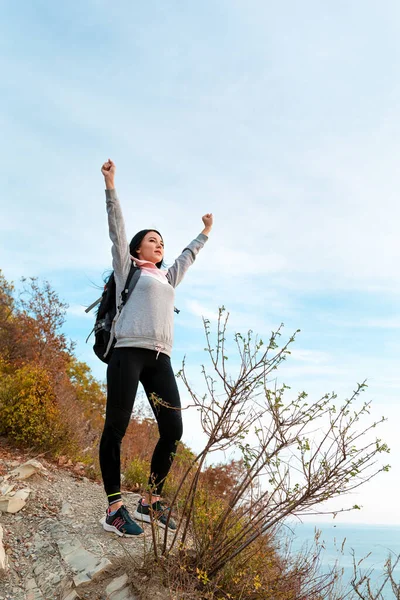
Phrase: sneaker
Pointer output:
(160, 514)
(121, 523)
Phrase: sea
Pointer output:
(372, 543)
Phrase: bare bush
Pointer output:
(296, 454)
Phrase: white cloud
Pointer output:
(76, 310)
(200, 310)
(314, 357)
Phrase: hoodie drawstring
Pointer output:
(158, 347)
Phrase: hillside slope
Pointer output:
(55, 546)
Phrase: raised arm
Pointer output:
(186, 259)
(120, 248)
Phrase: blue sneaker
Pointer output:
(121, 523)
(160, 514)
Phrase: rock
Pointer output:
(3, 558)
(23, 494)
(66, 509)
(11, 504)
(6, 489)
(27, 469)
(117, 584)
(71, 596)
(38, 569)
(32, 591)
(124, 594)
(85, 564)
(30, 584)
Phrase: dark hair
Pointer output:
(137, 240)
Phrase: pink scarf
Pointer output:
(150, 269)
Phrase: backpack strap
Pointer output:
(130, 284)
(131, 281)
(95, 303)
(126, 292)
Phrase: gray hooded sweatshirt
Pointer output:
(147, 319)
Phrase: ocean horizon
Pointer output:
(372, 543)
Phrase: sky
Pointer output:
(282, 119)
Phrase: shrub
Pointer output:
(327, 442)
(29, 412)
(137, 473)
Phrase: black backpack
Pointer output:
(107, 311)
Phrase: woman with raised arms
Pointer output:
(144, 337)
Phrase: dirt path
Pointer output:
(56, 548)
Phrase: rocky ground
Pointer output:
(54, 547)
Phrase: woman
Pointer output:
(144, 334)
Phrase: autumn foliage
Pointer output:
(49, 400)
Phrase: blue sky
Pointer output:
(283, 120)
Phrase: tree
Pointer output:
(43, 386)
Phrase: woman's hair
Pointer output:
(137, 240)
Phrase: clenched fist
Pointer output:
(208, 220)
(108, 169)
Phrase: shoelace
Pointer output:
(126, 515)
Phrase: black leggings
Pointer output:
(127, 367)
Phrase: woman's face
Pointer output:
(151, 248)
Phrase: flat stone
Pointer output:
(30, 584)
(81, 560)
(117, 584)
(67, 509)
(27, 469)
(11, 504)
(32, 591)
(38, 569)
(85, 564)
(81, 578)
(23, 494)
(71, 596)
(124, 594)
(6, 489)
(100, 566)
(68, 546)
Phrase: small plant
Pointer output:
(137, 473)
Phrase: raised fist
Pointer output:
(108, 169)
(208, 220)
